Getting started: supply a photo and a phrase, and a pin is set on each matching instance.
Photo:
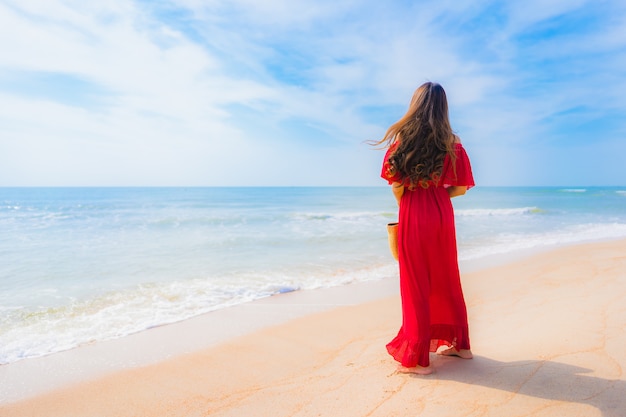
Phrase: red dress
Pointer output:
(433, 307)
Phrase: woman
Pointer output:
(426, 165)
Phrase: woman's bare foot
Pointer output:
(420, 370)
(462, 353)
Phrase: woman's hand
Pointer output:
(456, 191)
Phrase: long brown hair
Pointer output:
(424, 137)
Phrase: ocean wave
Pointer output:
(346, 216)
(512, 242)
(573, 190)
(237, 218)
(498, 212)
(35, 332)
(621, 192)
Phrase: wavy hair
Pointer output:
(424, 137)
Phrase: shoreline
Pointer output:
(488, 295)
(150, 346)
(99, 358)
(160, 343)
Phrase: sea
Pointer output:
(79, 265)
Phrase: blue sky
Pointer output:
(286, 92)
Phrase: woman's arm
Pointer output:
(456, 191)
(398, 190)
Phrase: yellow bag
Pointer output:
(392, 234)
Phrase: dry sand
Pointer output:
(548, 334)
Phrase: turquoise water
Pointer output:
(85, 264)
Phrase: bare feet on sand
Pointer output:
(419, 370)
(462, 353)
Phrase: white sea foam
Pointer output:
(574, 190)
(342, 216)
(490, 212)
(512, 242)
(28, 333)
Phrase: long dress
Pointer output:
(433, 307)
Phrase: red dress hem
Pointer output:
(412, 353)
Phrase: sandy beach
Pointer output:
(548, 334)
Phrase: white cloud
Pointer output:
(239, 93)
(530, 12)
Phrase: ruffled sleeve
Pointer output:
(463, 175)
(386, 171)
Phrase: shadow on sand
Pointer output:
(540, 379)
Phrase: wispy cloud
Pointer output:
(285, 92)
